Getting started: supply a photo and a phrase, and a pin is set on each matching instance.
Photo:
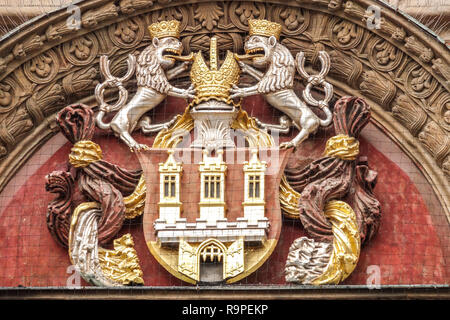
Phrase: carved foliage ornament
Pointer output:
(43, 68)
(81, 51)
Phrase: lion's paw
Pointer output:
(138, 147)
(287, 145)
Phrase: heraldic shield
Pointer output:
(212, 217)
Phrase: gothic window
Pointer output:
(213, 253)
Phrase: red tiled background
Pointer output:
(407, 249)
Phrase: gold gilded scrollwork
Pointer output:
(346, 243)
(254, 136)
(289, 199)
(135, 202)
(169, 138)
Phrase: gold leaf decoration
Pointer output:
(346, 243)
(84, 152)
(289, 199)
(135, 202)
(122, 263)
(342, 147)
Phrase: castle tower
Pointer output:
(254, 202)
(169, 184)
(212, 185)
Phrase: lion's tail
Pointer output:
(99, 121)
(112, 81)
(99, 90)
(329, 117)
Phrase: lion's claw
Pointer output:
(139, 147)
(190, 92)
(244, 67)
(236, 92)
(287, 145)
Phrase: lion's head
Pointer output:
(156, 58)
(268, 53)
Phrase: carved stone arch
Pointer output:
(400, 68)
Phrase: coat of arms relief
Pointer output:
(213, 186)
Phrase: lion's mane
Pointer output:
(280, 74)
(149, 72)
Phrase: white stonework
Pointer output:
(212, 213)
(169, 214)
(212, 125)
(223, 230)
(254, 212)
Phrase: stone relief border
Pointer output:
(400, 69)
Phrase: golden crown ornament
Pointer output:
(213, 82)
(265, 28)
(164, 29)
